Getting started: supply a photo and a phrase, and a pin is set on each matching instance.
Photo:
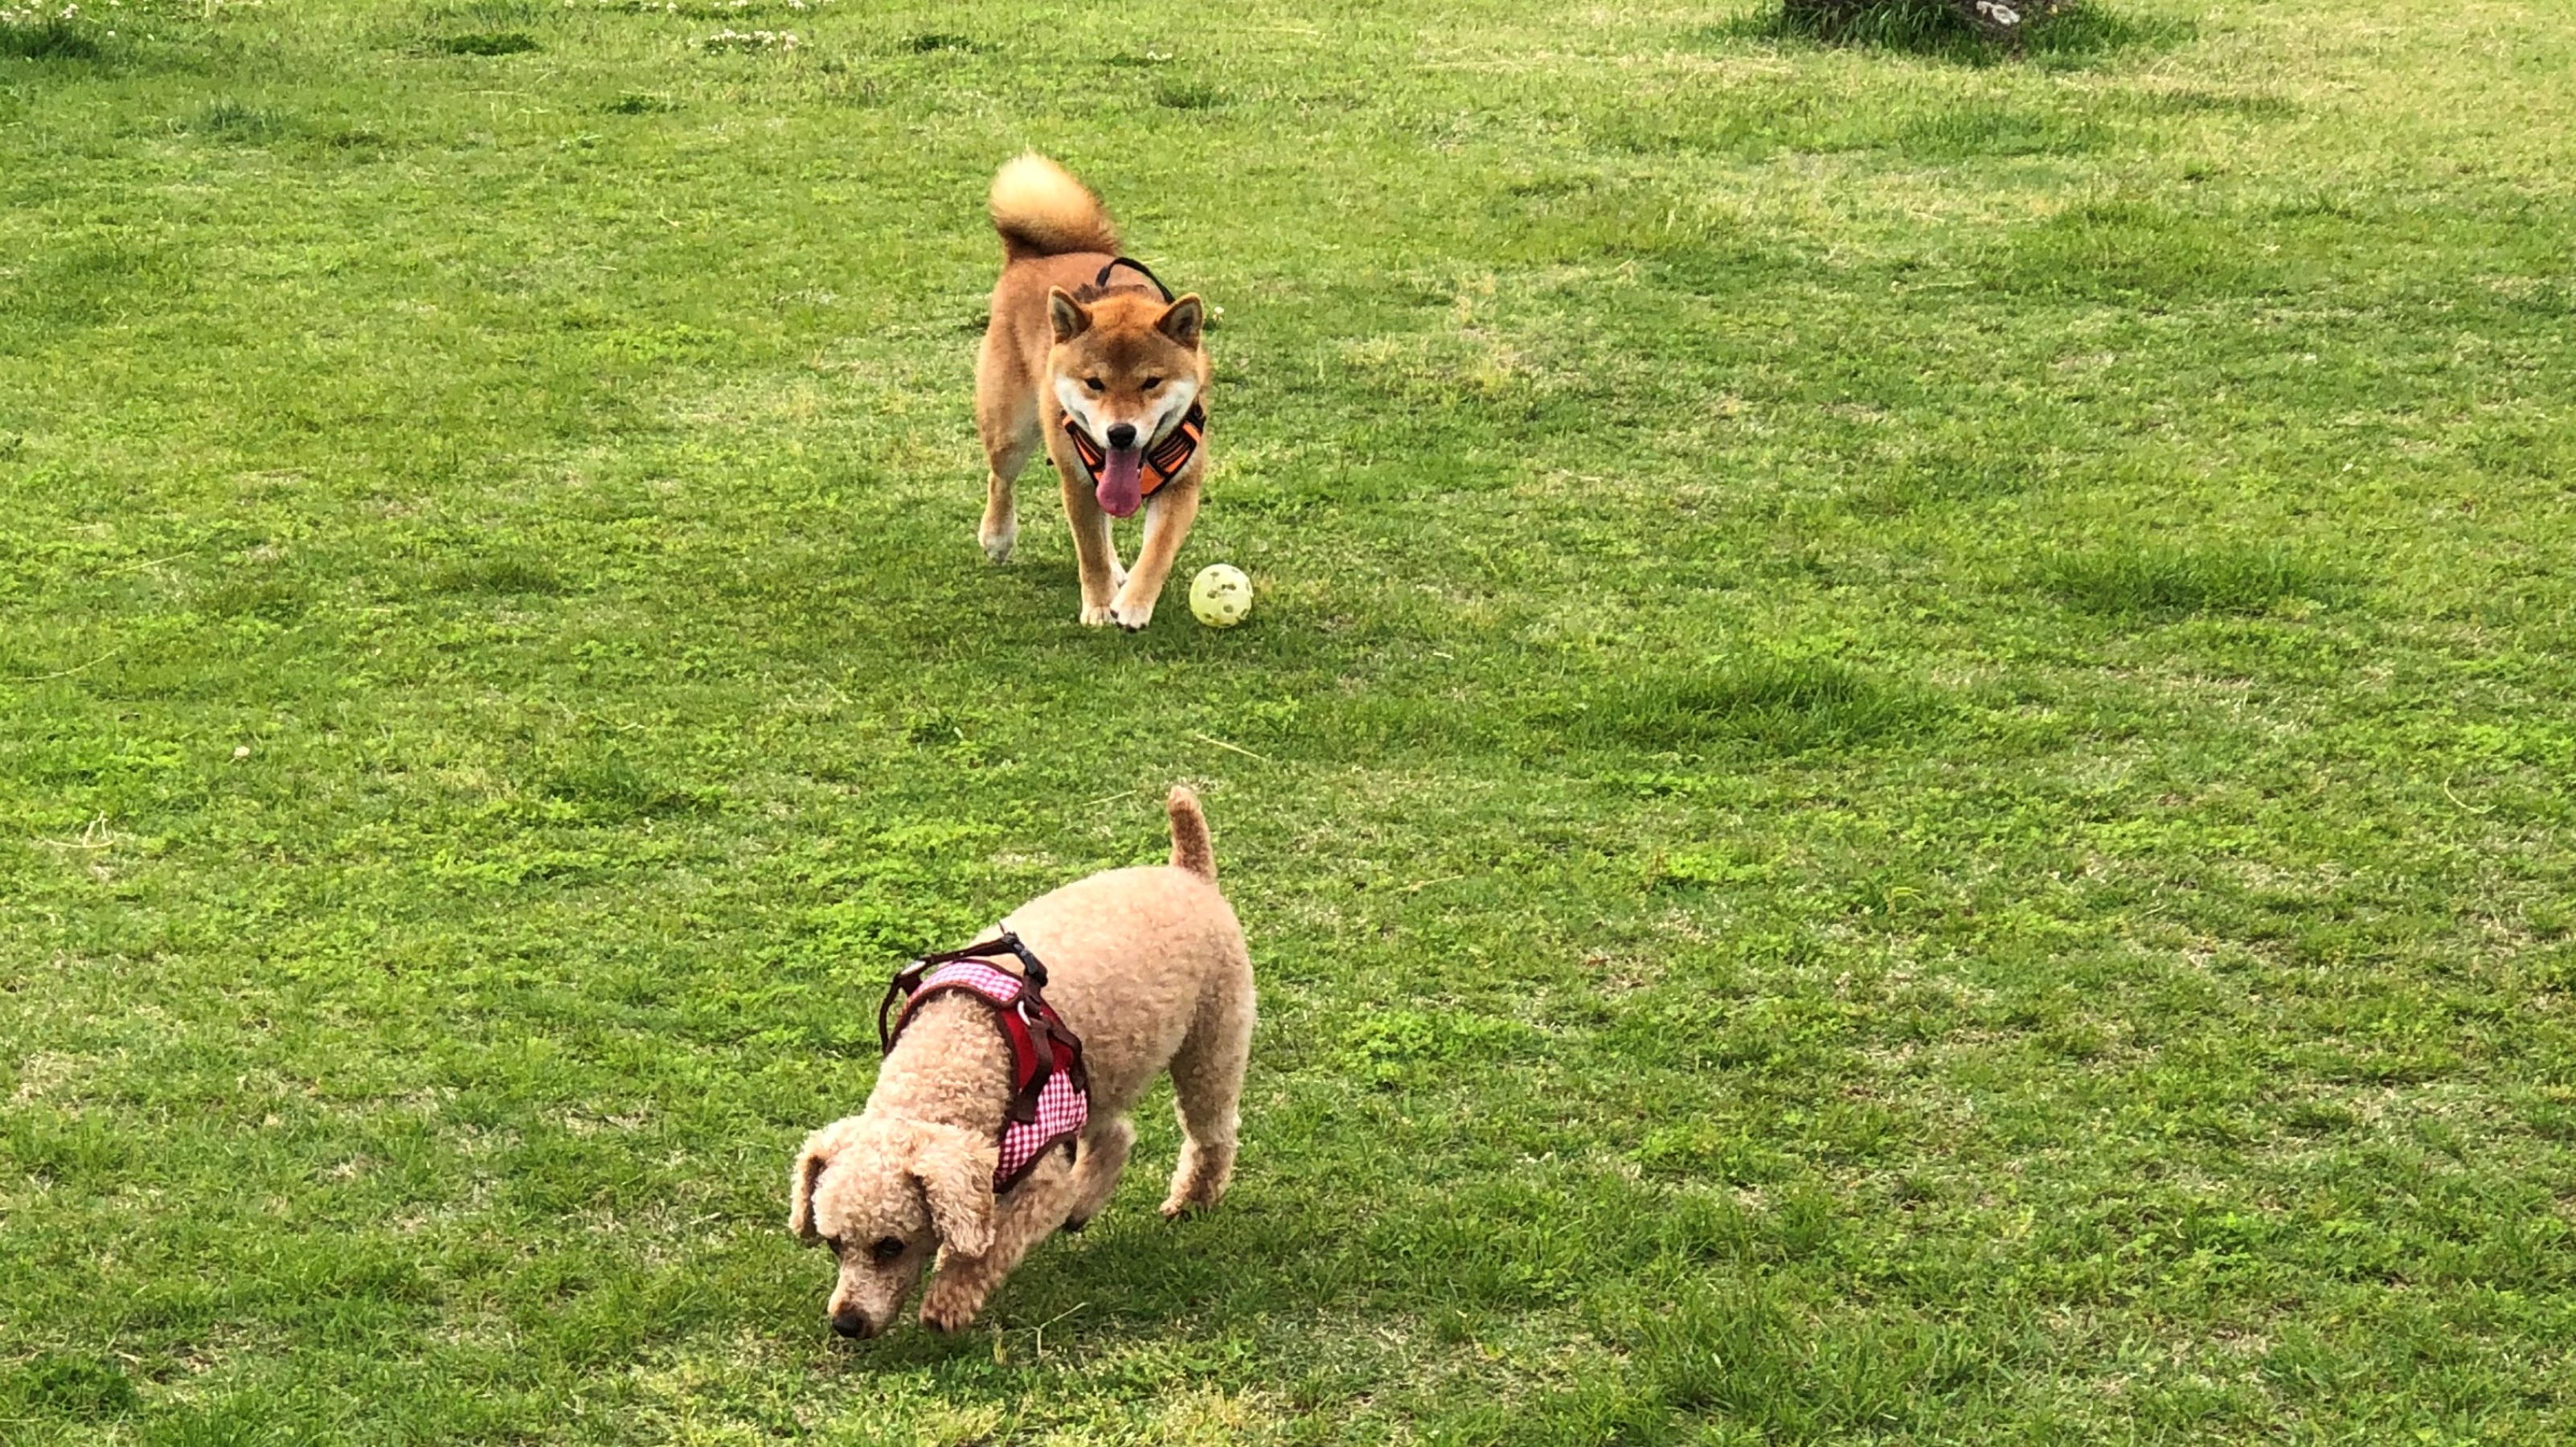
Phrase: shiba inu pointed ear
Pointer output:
(1183, 320)
(1071, 317)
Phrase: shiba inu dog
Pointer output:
(1089, 356)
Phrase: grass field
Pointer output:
(1902, 775)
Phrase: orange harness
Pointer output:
(1163, 461)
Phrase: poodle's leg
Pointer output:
(1029, 1214)
(1207, 1083)
(1104, 1154)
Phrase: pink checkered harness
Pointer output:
(1050, 1091)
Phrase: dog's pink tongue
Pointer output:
(1121, 490)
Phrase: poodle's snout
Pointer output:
(853, 1323)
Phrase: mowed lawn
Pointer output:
(1902, 774)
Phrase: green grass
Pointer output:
(2169, 582)
(1901, 774)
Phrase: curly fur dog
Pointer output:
(1148, 967)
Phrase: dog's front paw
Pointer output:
(1132, 616)
(1097, 617)
(950, 1309)
(997, 542)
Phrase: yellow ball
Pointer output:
(1220, 595)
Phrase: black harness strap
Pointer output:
(908, 979)
(1132, 264)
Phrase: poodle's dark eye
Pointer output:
(886, 1249)
(1093, 383)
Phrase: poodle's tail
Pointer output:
(1040, 210)
(1190, 847)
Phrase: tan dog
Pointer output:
(1148, 967)
(1080, 333)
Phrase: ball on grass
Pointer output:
(1220, 595)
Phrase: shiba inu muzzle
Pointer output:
(1122, 478)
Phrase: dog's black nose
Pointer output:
(853, 1324)
(1123, 435)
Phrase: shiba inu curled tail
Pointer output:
(1091, 358)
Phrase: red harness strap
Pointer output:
(1050, 1091)
(1163, 461)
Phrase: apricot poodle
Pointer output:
(1001, 1111)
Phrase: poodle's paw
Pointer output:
(947, 1307)
(997, 542)
(1133, 616)
(1196, 1186)
(1097, 617)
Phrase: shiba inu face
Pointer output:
(1125, 367)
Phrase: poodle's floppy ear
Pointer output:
(1069, 317)
(956, 1174)
(817, 1152)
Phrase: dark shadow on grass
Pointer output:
(75, 283)
(51, 39)
(276, 599)
(2175, 582)
(1739, 1351)
(1947, 475)
(485, 42)
(2146, 253)
(609, 789)
(2080, 35)
(230, 120)
(1564, 218)
(506, 575)
(1188, 96)
(1775, 706)
(60, 1385)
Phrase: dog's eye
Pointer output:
(1152, 382)
(886, 1250)
(1093, 383)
